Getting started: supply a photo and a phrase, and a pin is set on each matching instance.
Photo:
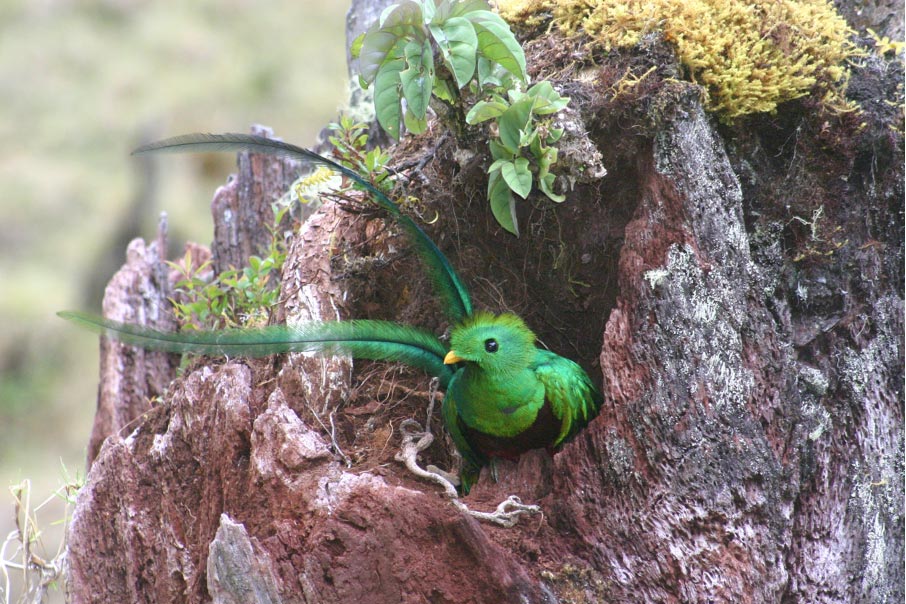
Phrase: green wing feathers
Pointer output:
(574, 399)
(375, 340)
(472, 461)
(457, 302)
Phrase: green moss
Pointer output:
(749, 56)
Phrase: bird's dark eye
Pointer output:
(491, 345)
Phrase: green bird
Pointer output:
(504, 394)
(508, 396)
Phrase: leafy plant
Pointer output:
(350, 139)
(451, 51)
(350, 142)
(235, 297)
(516, 129)
(397, 55)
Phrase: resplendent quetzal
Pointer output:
(504, 395)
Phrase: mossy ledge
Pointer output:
(748, 56)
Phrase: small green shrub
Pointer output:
(517, 129)
(397, 55)
(235, 297)
(350, 142)
(453, 53)
(350, 139)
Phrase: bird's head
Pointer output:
(496, 343)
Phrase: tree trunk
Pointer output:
(737, 291)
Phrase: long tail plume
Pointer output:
(364, 339)
(455, 296)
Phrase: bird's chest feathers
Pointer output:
(503, 405)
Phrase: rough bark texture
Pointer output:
(131, 377)
(748, 284)
(242, 208)
(883, 16)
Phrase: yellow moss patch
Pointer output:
(748, 55)
(523, 11)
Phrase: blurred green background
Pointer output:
(82, 83)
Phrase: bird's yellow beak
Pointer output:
(452, 358)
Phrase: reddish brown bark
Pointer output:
(243, 207)
(130, 377)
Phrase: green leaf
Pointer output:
(443, 90)
(431, 12)
(499, 151)
(374, 50)
(503, 205)
(546, 184)
(417, 79)
(527, 137)
(548, 100)
(497, 43)
(517, 176)
(493, 74)
(513, 122)
(543, 89)
(554, 135)
(546, 159)
(458, 45)
(496, 165)
(387, 97)
(549, 158)
(536, 148)
(356, 48)
(405, 13)
(414, 124)
(381, 44)
(468, 6)
(483, 111)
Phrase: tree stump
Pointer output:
(737, 291)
